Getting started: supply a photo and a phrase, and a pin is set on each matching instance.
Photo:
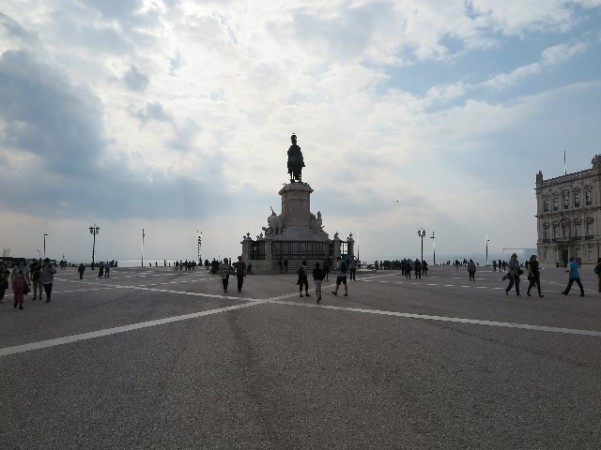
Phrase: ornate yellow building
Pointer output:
(569, 216)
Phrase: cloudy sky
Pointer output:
(174, 116)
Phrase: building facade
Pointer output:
(569, 216)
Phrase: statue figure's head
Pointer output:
(293, 138)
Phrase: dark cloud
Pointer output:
(348, 34)
(46, 115)
(152, 112)
(115, 9)
(69, 173)
(136, 80)
(14, 30)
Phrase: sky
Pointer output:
(174, 117)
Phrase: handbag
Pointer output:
(520, 272)
(26, 290)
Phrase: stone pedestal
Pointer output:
(297, 222)
(294, 235)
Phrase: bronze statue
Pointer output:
(295, 161)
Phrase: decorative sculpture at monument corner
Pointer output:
(295, 161)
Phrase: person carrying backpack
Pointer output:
(341, 268)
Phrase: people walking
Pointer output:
(302, 279)
(341, 269)
(240, 272)
(225, 270)
(514, 275)
(471, 269)
(353, 269)
(20, 282)
(318, 276)
(35, 269)
(574, 276)
(417, 266)
(48, 271)
(107, 270)
(4, 274)
(81, 269)
(534, 276)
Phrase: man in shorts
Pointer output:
(341, 268)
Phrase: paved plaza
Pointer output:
(158, 358)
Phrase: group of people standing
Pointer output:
(23, 278)
(319, 274)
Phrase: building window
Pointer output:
(566, 201)
(577, 231)
(566, 231)
(555, 204)
(576, 200)
(589, 198)
(545, 233)
(588, 229)
(555, 231)
(546, 205)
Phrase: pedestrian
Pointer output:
(100, 269)
(418, 269)
(240, 272)
(514, 275)
(598, 272)
(353, 269)
(327, 266)
(471, 269)
(19, 279)
(341, 269)
(225, 270)
(318, 276)
(494, 266)
(35, 269)
(4, 274)
(302, 279)
(48, 271)
(281, 265)
(286, 265)
(534, 276)
(107, 269)
(574, 276)
(81, 269)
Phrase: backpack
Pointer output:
(342, 266)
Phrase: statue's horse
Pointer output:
(295, 167)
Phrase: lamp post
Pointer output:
(433, 246)
(143, 236)
(199, 240)
(45, 234)
(487, 240)
(421, 233)
(94, 231)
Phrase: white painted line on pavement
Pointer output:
(110, 331)
(490, 323)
